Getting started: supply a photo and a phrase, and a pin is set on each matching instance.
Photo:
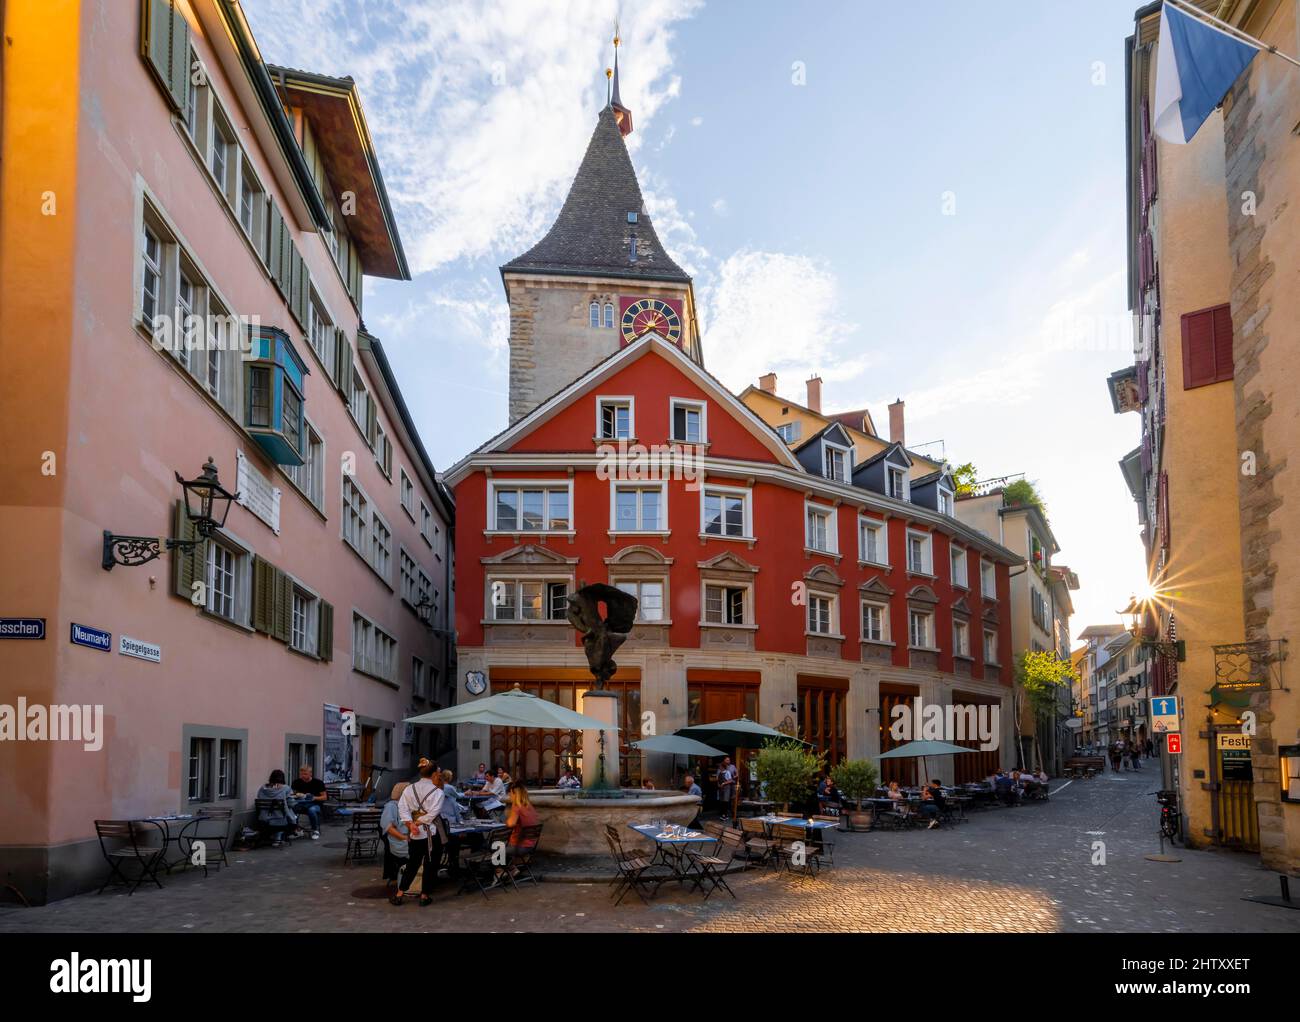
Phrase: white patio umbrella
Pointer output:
(515, 708)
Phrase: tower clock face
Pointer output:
(647, 314)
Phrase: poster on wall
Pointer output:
(340, 744)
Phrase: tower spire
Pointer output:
(621, 113)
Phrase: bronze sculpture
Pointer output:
(601, 636)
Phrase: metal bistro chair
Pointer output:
(822, 840)
(789, 838)
(196, 833)
(364, 836)
(758, 846)
(712, 868)
(481, 867)
(631, 866)
(129, 840)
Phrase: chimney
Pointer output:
(896, 422)
(815, 394)
(767, 383)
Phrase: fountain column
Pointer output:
(600, 767)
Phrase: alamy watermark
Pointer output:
(55, 723)
(940, 722)
(635, 462)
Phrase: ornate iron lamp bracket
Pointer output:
(132, 551)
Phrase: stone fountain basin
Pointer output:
(576, 826)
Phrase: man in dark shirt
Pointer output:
(311, 792)
(933, 803)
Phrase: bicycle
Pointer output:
(1170, 818)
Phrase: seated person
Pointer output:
(275, 820)
(827, 793)
(690, 787)
(933, 802)
(451, 810)
(1005, 787)
(480, 775)
(495, 788)
(647, 784)
(568, 780)
(895, 792)
(312, 800)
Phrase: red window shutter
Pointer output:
(1207, 346)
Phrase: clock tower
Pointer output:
(599, 279)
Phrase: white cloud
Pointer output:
(770, 311)
(696, 121)
(719, 206)
(481, 113)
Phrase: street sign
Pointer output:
(1164, 714)
(1173, 743)
(95, 638)
(139, 649)
(22, 627)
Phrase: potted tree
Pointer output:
(789, 772)
(856, 779)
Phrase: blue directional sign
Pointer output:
(1164, 714)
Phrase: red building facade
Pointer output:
(763, 591)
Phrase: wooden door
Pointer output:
(364, 770)
(722, 704)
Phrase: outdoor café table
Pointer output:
(165, 825)
(671, 845)
(772, 819)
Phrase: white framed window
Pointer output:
(837, 462)
(374, 651)
(359, 400)
(790, 431)
(224, 157)
(689, 420)
(228, 768)
(920, 629)
(945, 502)
(957, 563)
(875, 621)
(383, 451)
(639, 508)
(819, 528)
(227, 572)
(189, 309)
(200, 769)
(196, 107)
(407, 493)
(609, 316)
(873, 546)
(727, 604)
(305, 629)
(649, 595)
(381, 546)
(527, 599)
(356, 518)
(320, 334)
(593, 314)
(406, 571)
(920, 550)
(516, 506)
(990, 646)
(151, 277)
(309, 477)
(897, 484)
(961, 638)
(426, 524)
(726, 511)
(615, 418)
(988, 579)
(424, 591)
(822, 614)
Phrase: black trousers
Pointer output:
(427, 853)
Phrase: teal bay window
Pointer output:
(273, 380)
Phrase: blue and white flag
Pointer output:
(1195, 67)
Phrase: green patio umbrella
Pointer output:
(678, 745)
(741, 733)
(514, 708)
(922, 749)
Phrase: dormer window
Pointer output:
(897, 483)
(836, 464)
(945, 502)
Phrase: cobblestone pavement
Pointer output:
(1025, 869)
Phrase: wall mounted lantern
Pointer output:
(207, 503)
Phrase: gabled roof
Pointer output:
(887, 454)
(592, 235)
(860, 419)
(643, 346)
(842, 438)
(933, 477)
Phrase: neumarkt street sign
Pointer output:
(22, 627)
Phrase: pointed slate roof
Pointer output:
(591, 234)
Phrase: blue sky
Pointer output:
(936, 213)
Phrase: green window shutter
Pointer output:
(294, 290)
(345, 368)
(165, 45)
(282, 626)
(325, 640)
(263, 595)
(388, 458)
(275, 226)
(304, 292)
(372, 421)
(187, 568)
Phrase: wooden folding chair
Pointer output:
(129, 841)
